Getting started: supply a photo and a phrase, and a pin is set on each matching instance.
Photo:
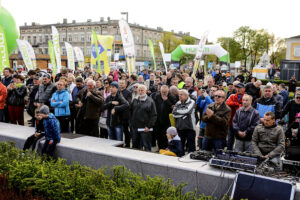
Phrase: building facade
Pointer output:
(293, 48)
(79, 35)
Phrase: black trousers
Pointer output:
(31, 141)
(126, 133)
(64, 124)
(48, 148)
(162, 140)
(6, 115)
(188, 140)
(89, 127)
(73, 120)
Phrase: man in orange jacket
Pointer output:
(3, 95)
(234, 102)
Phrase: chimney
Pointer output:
(25, 24)
(33, 23)
(73, 21)
(108, 18)
(89, 20)
(101, 19)
(65, 21)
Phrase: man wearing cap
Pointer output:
(52, 131)
(46, 89)
(235, 101)
(115, 104)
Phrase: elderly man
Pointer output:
(244, 122)
(189, 86)
(210, 83)
(268, 139)
(234, 102)
(89, 101)
(184, 113)
(164, 102)
(216, 117)
(267, 103)
(253, 89)
(175, 92)
(143, 118)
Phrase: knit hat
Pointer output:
(115, 84)
(172, 131)
(44, 110)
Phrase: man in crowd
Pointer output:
(7, 76)
(277, 96)
(189, 86)
(126, 114)
(210, 83)
(184, 114)
(132, 81)
(63, 73)
(230, 90)
(46, 89)
(234, 102)
(240, 77)
(143, 118)
(89, 104)
(268, 139)
(284, 93)
(164, 105)
(216, 117)
(267, 103)
(253, 89)
(292, 108)
(292, 84)
(175, 92)
(244, 122)
(271, 73)
(116, 105)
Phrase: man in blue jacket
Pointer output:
(52, 131)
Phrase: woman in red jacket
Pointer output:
(3, 95)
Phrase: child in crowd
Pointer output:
(52, 131)
(38, 135)
(174, 144)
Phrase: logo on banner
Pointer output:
(3, 50)
(100, 49)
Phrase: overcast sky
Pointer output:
(219, 17)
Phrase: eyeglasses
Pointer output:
(217, 96)
(297, 97)
(46, 75)
(105, 82)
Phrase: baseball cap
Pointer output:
(240, 85)
(115, 84)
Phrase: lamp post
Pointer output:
(125, 13)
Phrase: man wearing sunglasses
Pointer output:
(216, 117)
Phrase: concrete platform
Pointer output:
(97, 152)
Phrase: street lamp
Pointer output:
(125, 13)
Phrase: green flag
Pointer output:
(151, 47)
(95, 42)
(4, 58)
(52, 56)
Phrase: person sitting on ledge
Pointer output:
(52, 131)
(268, 139)
(174, 144)
(38, 135)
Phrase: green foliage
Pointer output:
(278, 81)
(235, 49)
(57, 180)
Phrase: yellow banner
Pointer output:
(105, 52)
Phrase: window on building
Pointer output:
(64, 51)
(88, 37)
(64, 39)
(117, 50)
(75, 37)
(104, 32)
(40, 51)
(138, 53)
(137, 39)
(29, 39)
(40, 39)
(88, 51)
(145, 54)
(46, 38)
(46, 50)
(82, 37)
(34, 40)
(70, 37)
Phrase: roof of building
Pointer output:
(295, 37)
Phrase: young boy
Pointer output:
(174, 143)
(52, 131)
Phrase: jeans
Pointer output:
(188, 140)
(49, 149)
(230, 138)
(115, 133)
(141, 139)
(209, 144)
(242, 146)
(271, 79)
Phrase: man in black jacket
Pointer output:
(164, 105)
(126, 114)
(253, 89)
(115, 104)
(271, 73)
(143, 118)
(292, 84)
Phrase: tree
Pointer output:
(277, 49)
(244, 36)
(235, 49)
(259, 45)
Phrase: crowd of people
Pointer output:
(153, 108)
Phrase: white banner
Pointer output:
(55, 37)
(127, 39)
(201, 45)
(162, 50)
(70, 54)
(25, 54)
(78, 54)
(31, 53)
